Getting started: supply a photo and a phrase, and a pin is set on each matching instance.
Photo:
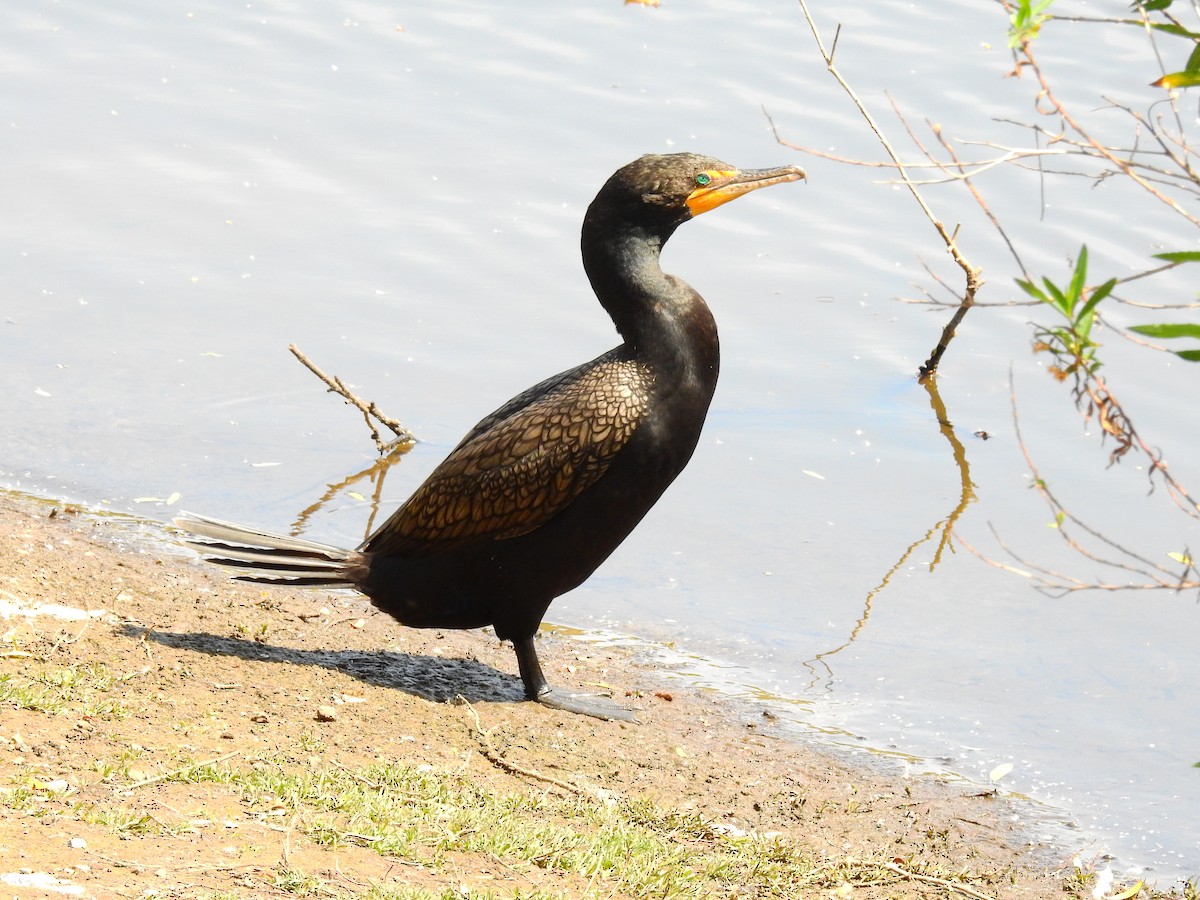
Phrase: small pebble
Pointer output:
(326, 714)
(77, 844)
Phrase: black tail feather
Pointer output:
(274, 558)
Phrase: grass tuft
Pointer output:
(427, 818)
(73, 690)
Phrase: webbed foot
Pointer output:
(586, 704)
(537, 689)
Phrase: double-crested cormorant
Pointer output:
(540, 492)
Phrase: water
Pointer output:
(399, 191)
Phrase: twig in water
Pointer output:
(369, 410)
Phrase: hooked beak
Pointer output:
(726, 185)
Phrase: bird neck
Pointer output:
(657, 314)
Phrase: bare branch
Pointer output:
(369, 410)
(973, 275)
(1125, 166)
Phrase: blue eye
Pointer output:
(703, 179)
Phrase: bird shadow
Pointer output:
(433, 678)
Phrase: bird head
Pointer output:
(664, 191)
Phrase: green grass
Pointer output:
(295, 882)
(122, 821)
(73, 690)
(424, 817)
(408, 893)
(590, 847)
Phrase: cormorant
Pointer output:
(541, 491)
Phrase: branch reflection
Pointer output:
(942, 530)
(375, 473)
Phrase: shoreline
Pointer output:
(196, 666)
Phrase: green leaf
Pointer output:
(1193, 63)
(1165, 27)
(1167, 330)
(1083, 322)
(1189, 355)
(1058, 298)
(1026, 20)
(1168, 27)
(1075, 289)
(1099, 293)
(1178, 80)
(1032, 290)
(1181, 256)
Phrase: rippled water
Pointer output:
(399, 191)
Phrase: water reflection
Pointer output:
(374, 473)
(943, 530)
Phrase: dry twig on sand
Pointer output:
(493, 756)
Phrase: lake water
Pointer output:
(398, 190)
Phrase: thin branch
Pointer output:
(181, 770)
(1111, 415)
(1123, 165)
(493, 756)
(974, 276)
(940, 882)
(1153, 575)
(369, 410)
(987, 210)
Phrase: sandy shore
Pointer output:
(102, 718)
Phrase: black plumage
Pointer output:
(541, 491)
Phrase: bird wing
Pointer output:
(524, 463)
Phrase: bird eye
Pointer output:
(703, 179)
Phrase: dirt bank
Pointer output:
(191, 737)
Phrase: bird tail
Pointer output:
(273, 558)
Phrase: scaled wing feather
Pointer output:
(524, 463)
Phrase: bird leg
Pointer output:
(537, 688)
